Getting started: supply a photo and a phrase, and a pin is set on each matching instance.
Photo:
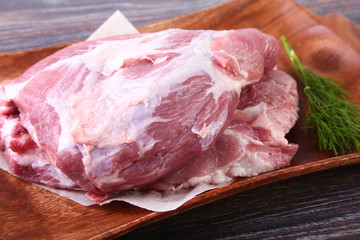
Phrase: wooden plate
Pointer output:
(334, 51)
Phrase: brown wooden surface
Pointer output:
(29, 211)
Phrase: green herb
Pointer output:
(335, 118)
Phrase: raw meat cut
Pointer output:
(254, 141)
(124, 112)
(25, 158)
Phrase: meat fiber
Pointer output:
(254, 141)
(127, 112)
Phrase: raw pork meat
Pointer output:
(254, 141)
(123, 112)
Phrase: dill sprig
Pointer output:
(335, 118)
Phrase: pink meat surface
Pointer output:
(254, 141)
(23, 156)
(123, 112)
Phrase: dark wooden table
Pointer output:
(324, 205)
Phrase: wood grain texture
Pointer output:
(51, 22)
(316, 206)
(61, 218)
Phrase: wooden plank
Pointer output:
(46, 23)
